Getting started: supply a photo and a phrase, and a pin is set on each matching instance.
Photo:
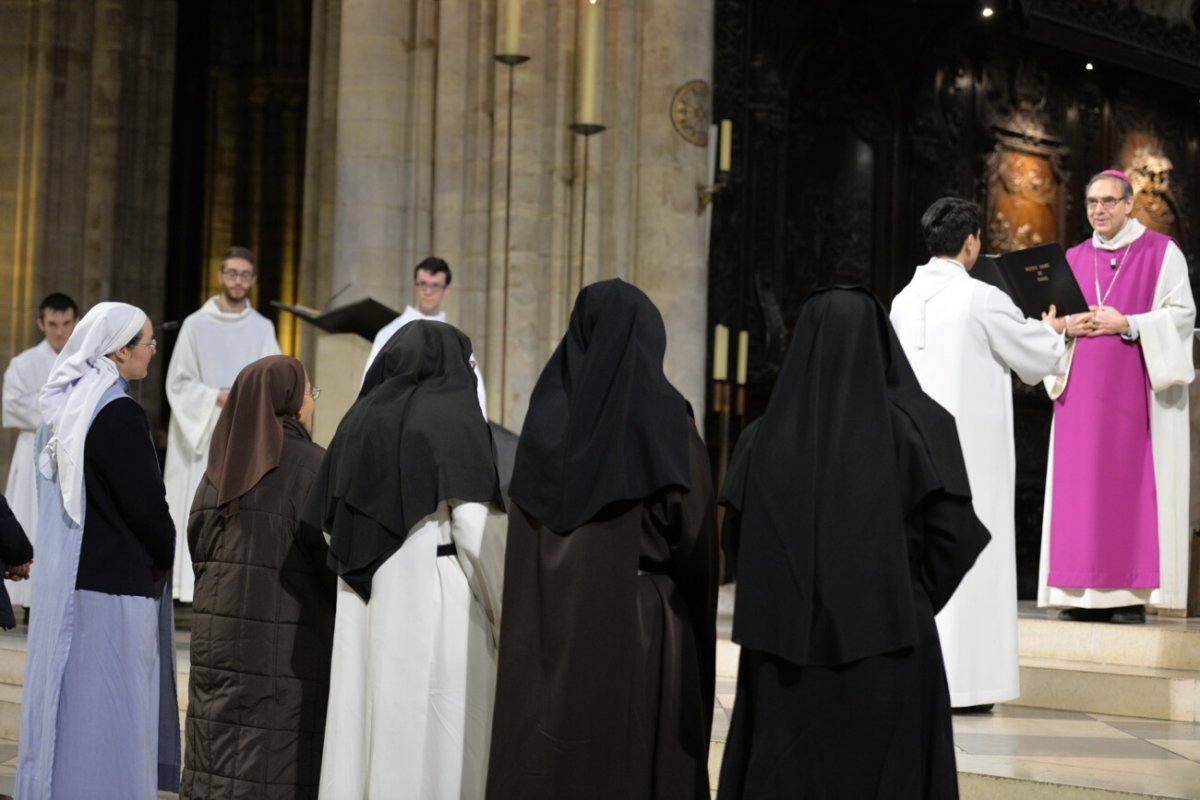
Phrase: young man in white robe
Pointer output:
(963, 337)
(214, 344)
(24, 378)
(431, 280)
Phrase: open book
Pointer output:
(365, 317)
(1035, 279)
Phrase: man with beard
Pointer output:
(214, 344)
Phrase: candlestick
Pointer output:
(589, 54)
(512, 27)
(726, 159)
(743, 356)
(720, 353)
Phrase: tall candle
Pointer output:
(720, 353)
(512, 28)
(589, 55)
(743, 357)
(726, 145)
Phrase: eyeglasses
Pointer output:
(431, 287)
(234, 275)
(1107, 203)
(152, 344)
(315, 392)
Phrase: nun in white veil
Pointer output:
(99, 718)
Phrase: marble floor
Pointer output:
(1060, 754)
(1068, 753)
(1012, 752)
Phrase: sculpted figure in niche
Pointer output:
(1154, 204)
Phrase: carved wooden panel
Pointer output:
(1024, 205)
(1144, 159)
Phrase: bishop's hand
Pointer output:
(1079, 324)
(1107, 321)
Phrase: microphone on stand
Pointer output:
(170, 325)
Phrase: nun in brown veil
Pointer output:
(854, 527)
(605, 684)
(262, 623)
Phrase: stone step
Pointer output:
(10, 710)
(979, 786)
(1160, 643)
(1136, 691)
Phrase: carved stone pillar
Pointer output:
(85, 134)
(408, 98)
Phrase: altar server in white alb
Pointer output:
(963, 337)
(24, 378)
(214, 344)
(431, 280)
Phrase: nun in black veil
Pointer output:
(855, 527)
(606, 674)
(410, 498)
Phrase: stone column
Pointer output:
(385, 115)
(383, 166)
(672, 239)
(421, 165)
(85, 136)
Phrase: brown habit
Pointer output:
(605, 684)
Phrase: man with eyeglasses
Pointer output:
(23, 380)
(214, 343)
(431, 280)
(1115, 522)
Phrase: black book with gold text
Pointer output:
(1035, 279)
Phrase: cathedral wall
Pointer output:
(85, 109)
(412, 103)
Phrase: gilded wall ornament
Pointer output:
(1149, 168)
(690, 111)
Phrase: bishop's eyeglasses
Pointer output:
(1107, 203)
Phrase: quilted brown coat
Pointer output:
(262, 632)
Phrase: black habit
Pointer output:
(855, 526)
(606, 673)
(15, 550)
(408, 443)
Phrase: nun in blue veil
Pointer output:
(99, 716)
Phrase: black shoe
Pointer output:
(1128, 615)
(986, 708)
(1086, 614)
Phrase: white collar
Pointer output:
(1128, 234)
(213, 309)
(948, 262)
(437, 316)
